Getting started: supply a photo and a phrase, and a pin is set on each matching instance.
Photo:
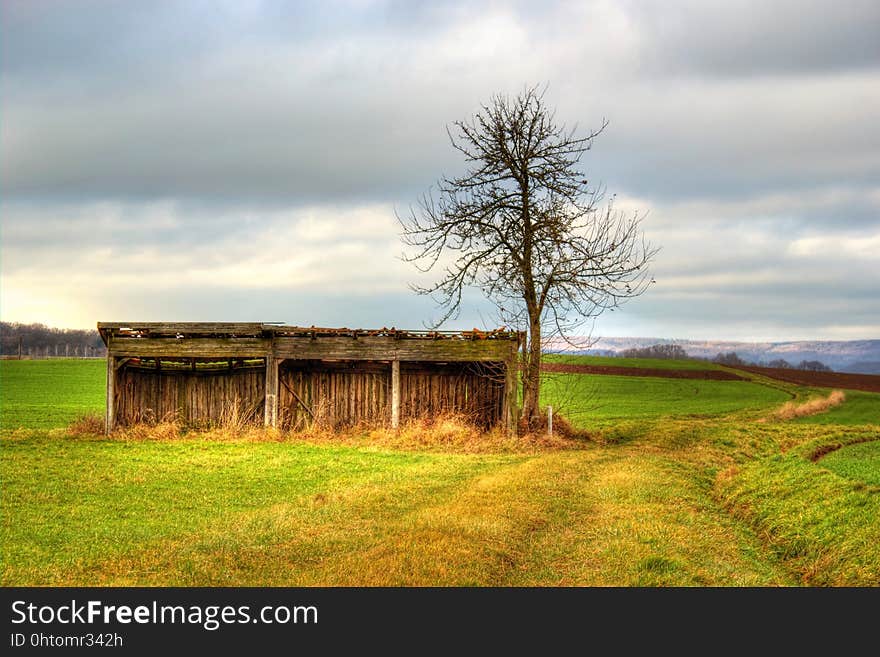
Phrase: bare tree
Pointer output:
(524, 226)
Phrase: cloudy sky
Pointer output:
(243, 160)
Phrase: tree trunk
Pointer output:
(532, 374)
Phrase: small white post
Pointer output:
(549, 420)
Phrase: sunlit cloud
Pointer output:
(247, 161)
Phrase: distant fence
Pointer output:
(25, 357)
(56, 351)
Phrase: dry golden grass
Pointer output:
(445, 433)
(86, 425)
(173, 430)
(237, 417)
(167, 429)
(791, 410)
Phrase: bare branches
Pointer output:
(523, 225)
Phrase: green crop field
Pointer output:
(597, 400)
(678, 483)
(42, 394)
(859, 408)
(650, 363)
(857, 462)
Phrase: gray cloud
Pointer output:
(181, 138)
(756, 38)
(184, 100)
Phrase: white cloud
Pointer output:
(837, 247)
(319, 250)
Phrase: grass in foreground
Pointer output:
(195, 511)
(707, 496)
(91, 510)
(822, 525)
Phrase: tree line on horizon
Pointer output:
(41, 341)
(731, 359)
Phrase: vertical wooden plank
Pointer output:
(271, 415)
(110, 413)
(395, 394)
(511, 417)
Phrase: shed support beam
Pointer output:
(395, 394)
(110, 412)
(271, 415)
(511, 414)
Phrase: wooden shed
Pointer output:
(290, 377)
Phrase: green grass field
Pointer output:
(650, 363)
(42, 394)
(859, 408)
(696, 485)
(592, 401)
(860, 462)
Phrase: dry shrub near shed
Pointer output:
(86, 425)
(171, 430)
(448, 432)
(237, 420)
(167, 429)
(562, 428)
(239, 416)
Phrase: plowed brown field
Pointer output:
(866, 382)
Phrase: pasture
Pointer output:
(859, 463)
(678, 483)
(594, 401)
(43, 394)
(859, 408)
(640, 363)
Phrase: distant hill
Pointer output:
(857, 356)
(864, 367)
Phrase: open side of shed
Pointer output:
(292, 377)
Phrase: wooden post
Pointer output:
(271, 416)
(395, 394)
(110, 413)
(511, 389)
(550, 421)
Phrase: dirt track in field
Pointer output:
(714, 375)
(866, 382)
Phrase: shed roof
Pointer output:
(269, 329)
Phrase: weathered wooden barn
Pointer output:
(290, 377)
